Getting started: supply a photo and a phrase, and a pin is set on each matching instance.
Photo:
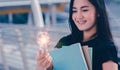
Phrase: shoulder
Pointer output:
(108, 46)
(105, 44)
(66, 41)
(108, 51)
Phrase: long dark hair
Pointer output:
(102, 23)
(103, 30)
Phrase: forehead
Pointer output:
(81, 3)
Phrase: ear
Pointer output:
(98, 15)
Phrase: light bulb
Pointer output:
(43, 39)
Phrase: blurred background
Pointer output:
(22, 20)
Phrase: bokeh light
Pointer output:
(43, 39)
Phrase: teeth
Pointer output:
(81, 22)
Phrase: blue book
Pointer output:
(69, 58)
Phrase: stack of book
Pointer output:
(73, 57)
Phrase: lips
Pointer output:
(82, 22)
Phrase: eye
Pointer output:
(74, 11)
(85, 10)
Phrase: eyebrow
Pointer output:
(81, 7)
(84, 6)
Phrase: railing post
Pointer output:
(6, 67)
(23, 54)
(53, 13)
(37, 13)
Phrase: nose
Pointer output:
(79, 15)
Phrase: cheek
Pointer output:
(91, 17)
(73, 17)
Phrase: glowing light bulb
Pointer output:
(43, 39)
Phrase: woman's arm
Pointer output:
(110, 65)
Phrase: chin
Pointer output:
(82, 29)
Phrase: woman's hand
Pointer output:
(44, 59)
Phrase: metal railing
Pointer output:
(4, 3)
(18, 45)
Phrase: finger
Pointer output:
(47, 62)
(42, 62)
(44, 54)
(43, 57)
(40, 54)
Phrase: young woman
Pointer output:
(90, 27)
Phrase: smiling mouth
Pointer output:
(82, 22)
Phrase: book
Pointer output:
(70, 58)
(88, 56)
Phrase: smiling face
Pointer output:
(84, 15)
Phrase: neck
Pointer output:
(89, 34)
